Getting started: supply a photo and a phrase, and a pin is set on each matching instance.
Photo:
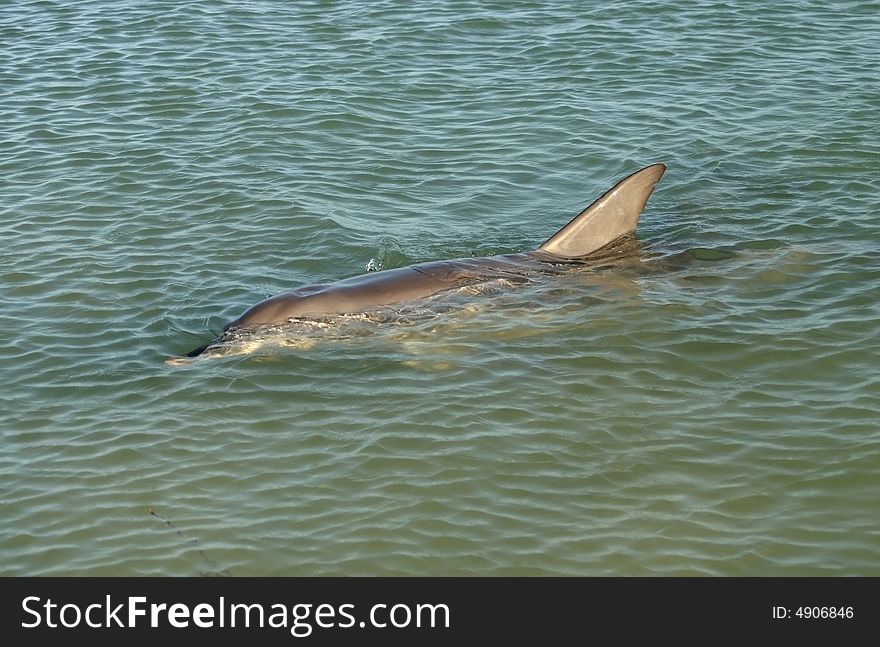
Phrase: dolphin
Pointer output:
(611, 217)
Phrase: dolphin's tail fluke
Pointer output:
(612, 216)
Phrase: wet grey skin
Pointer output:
(613, 216)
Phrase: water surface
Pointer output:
(707, 406)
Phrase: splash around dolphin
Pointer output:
(611, 217)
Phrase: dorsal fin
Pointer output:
(613, 215)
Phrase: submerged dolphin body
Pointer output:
(611, 217)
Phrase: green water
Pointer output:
(708, 405)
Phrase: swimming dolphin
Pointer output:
(611, 217)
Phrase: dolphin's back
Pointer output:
(612, 216)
